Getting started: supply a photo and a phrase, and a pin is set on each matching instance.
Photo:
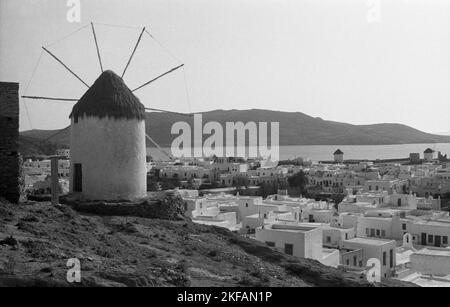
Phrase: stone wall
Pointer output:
(168, 207)
(9, 141)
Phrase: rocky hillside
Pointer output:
(36, 240)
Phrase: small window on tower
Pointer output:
(289, 249)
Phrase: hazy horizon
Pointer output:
(324, 59)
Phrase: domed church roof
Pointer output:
(109, 97)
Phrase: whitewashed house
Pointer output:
(383, 250)
(302, 240)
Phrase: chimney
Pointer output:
(9, 141)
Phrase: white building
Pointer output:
(335, 236)
(383, 250)
(383, 224)
(195, 206)
(255, 205)
(431, 261)
(430, 232)
(219, 219)
(63, 153)
(432, 229)
(301, 240)
(43, 167)
(407, 201)
(317, 215)
(251, 222)
(187, 172)
(391, 186)
(429, 267)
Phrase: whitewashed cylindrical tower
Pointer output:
(107, 143)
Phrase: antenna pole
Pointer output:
(153, 80)
(134, 50)
(65, 66)
(96, 45)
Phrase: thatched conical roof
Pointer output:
(109, 97)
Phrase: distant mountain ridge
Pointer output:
(296, 128)
(444, 133)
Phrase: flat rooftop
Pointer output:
(291, 227)
(442, 223)
(434, 252)
(403, 256)
(428, 281)
(329, 227)
(369, 241)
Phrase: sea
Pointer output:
(357, 152)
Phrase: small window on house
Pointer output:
(404, 226)
(328, 239)
(289, 249)
(430, 238)
(347, 261)
(378, 233)
(384, 258)
(346, 236)
(354, 260)
(444, 240)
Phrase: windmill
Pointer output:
(144, 33)
(107, 132)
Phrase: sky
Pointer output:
(353, 61)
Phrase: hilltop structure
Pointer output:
(338, 156)
(428, 155)
(107, 143)
(9, 141)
